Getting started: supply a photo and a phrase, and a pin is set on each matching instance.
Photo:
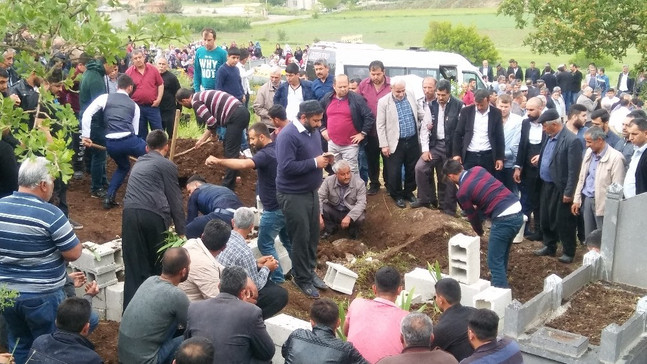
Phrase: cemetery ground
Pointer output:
(403, 238)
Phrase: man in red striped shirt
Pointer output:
(480, 194)
(218, 108)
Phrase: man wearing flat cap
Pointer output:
(300, 162)
(559, 163)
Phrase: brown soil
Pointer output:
(403, 238)
(595, 307)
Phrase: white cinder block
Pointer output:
(422, 282)
(101, 312)
(284, 257)
(103, 280)
(417, 298)
(281, 326)
(495, 299)
(253, 244)
(99, 301)
(259, 204)
(468, 291)
(95, 258)
(284, 261)
(278, 356)
(114, 301)
(464, 258)
(340, 278)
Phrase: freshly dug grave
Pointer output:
(596, 306)
(404, 238)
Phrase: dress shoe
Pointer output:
(565, 259)
(319, 283)
(308, 289)
(411, 199)
(400, 203)
(418, 204)
(373, 190)
(109, 202)
(545, 251)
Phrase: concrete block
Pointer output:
(101, 312)
(114, 301)
(259, 204)
(561, 342)
(340, 278)
(495, 299)
(576, 280)
(520, 317)
(103, 280)
(469, 291)
(253, 244)
(422, 282)
(284, 256)
(95, 258)
(284, 260)
(464, 258)
(417, 298)
(616, 340)
(553, 286)
(257, 216)
(281, 326)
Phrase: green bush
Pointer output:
(582, 60)
(283, 36)
(466, 41)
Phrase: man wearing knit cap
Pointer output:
(300, 161)
(559, 164)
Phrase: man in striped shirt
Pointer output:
(218, 108)
(35, 241)
(482, 195)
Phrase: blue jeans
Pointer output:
(32, 315)
(148, 114)
(94, 321)
(363, 163)
(120, 150)
(166, 352)
(272, 224)
(502, 232)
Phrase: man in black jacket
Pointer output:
(320, 345)
(636, 179)
(559, 165)
(436, 142)
(479, 139)
(68, 344)
(341, 106)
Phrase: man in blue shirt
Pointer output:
(36, 240)
(213, 202)
(228, 78)
(300, 162)
(324, 82)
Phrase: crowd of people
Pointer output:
(541, 147)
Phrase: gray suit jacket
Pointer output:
(388, 127)
(236, 329)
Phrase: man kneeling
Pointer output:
(342, 200)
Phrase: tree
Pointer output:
(442, 36)
(597, 27)
(330, 4)
(37, 30)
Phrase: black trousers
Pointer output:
(141, 232)
(483, 159)
(530, 196)
(407, 154)
(237, 122)
(168, 121)
(271, 299)
(301, 213)
(557, 221)
(373, 153)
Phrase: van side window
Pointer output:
(449, 73)
(467, 76)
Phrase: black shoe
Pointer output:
(100, 193)
(319, 283)
(373, 190)
(400, 203)
(411, 199)
(545, 251)
(565, 259)
(288, 276)
(535, 237)
(308, 289)
(353, 233)
(418, 204)
(325, 235)
(109, 202)
(434, 204)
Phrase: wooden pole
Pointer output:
(101, 147)
(174, 136)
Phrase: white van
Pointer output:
(353, 60)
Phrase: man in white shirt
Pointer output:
(636, 178)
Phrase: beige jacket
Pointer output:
(264, 101)
(611, 169)
(204, 272)
(388, 127)
(354, 198)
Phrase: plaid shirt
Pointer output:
(239, 254)
(405, 118)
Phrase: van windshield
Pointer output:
(316, 54)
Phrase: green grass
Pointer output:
(403, 28)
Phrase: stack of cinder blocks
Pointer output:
(103, 264)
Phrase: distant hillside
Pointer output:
(425, 4)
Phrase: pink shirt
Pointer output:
(374, 327)
(366, 89)
(340, 123)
